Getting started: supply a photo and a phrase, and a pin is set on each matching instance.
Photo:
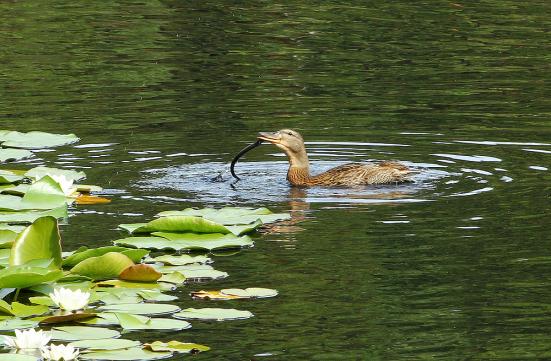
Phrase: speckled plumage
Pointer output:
(350, 174)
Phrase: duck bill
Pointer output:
(273, 138)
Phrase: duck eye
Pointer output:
(290, 133)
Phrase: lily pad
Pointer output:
(27, 276)
(16, 323)
(139, 285)
(21, 310)
(39, 172)
(40, 240)
(105, 344)
(252, 292)
(67, 317)
(31, 216)
(109, 265)
(182, 224)
(137, 322)
(176, 346)
(7, 238)
(140, 273)
(7, 177)
(152, 309)
(17, 357)
(10, 154)
(194, 271)
(231, 215)
(35, 140)
(45, 193)
(130, 354)
(83, 253)
(173, 277)
(181, 260)
(217, 314)
(187, 241)
(76, 333)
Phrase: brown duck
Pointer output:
(292, 143)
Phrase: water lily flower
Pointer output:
(28, 339)
(65, 183)
(70, 300)
(59, 352)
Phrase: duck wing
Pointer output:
(364, 173)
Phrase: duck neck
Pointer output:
(299, 168)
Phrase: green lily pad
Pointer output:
(21, 310)
(7, 177)
(152, 309)
(67, 317)
(137, 322)
(217, 314)
(31, 216)
(231, 215)
(127, 354)
(10, 154)
(139, 285)
(39, 172)
(194, 271)
(105, 344)
(40, 240)
(16, 190)
(252, 292)
(35, 140)
(83, 253)
(173, 277)
(17, 357)
(109, 265)
(16, 323)
(26, 276)
(187, 241)
(45, 193)
(102, 319)
(42, 300)
(76, 333)
(181, 260)
(176, 346)
(182, 224)
(7, 238)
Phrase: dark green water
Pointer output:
(454, 267)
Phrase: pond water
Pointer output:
(453, 266)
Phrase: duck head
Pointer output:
(291, 142)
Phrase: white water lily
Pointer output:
(65, 183)
(28, 339)
(70, 300)
(59, 352)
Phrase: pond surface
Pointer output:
(453, 266)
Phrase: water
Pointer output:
(163, 93)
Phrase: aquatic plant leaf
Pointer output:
(173, 277)
(176, 346)
(156, 295)
(131, 227)
(182, 224)
(45, 193)
(21, 310)
(194, 271)
(181, 260)
(137, 322)
(76, 333)
(42, 300)
(16, 323)
(10, 154)
(17, 357)
(105, 344)
(16, 190)
(187, 241)
(84, 252)
(253, 292)
(128, 284)
(40, 240)
(67, 317)
(31, 216)
(7, 238)
(213, 295)
(26, 276)
(217, 314)
(5, 308)
(8, 227)
(231, 215)
(103, 267)
(35, 139)
(39, 172)
(102, 319)
(7, 177)
(141, 308)
(140, 273)
(127, 354)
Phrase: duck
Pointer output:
(350, 174)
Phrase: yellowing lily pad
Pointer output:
(140, 273)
